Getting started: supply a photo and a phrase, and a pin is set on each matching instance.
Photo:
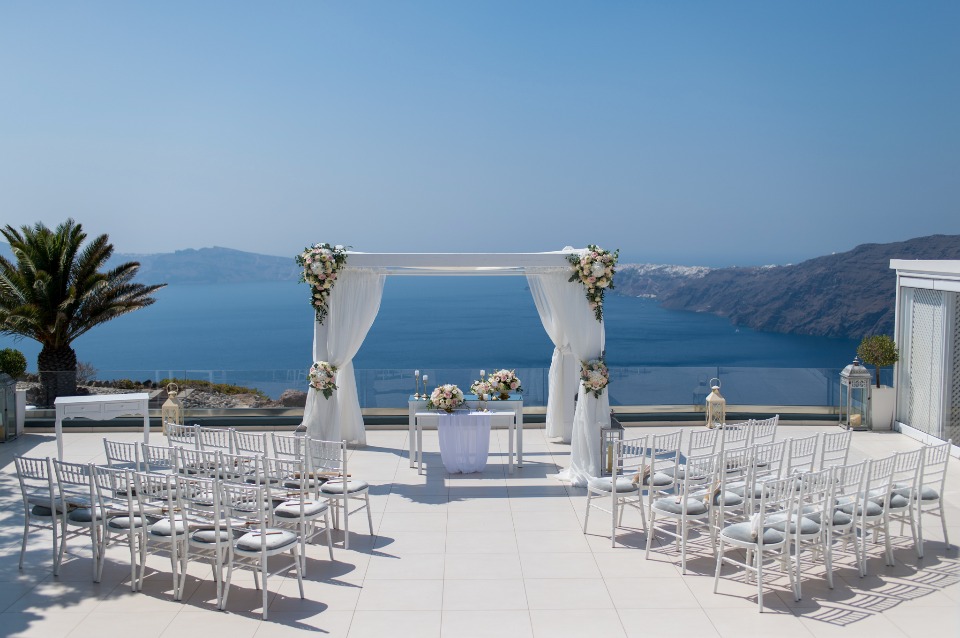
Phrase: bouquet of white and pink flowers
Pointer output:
(323, 378)
(595, 376)
(505, 382)
(320, 264)
(594, 269)
(481, 387)
(445, 397)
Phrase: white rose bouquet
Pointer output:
(481, 387)
(321, 264)
(323, 378)
(594, 269)
(445, 397)
(595, 376)
(505, 382)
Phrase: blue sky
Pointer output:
(713, 133)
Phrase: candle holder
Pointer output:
(426, 395)
(416, 384)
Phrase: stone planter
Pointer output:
(882, 403)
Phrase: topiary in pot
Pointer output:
(879, 351)
(12, 363)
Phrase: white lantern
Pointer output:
(171, 411)
(855, 396)
(716, 406)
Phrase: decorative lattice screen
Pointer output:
(926, 361)
(953, 417)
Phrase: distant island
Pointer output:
(847, 295)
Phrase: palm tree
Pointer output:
(56, 292)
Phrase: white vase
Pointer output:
(883, 400)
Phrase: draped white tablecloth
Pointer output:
(464, 441)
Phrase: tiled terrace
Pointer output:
(487, 554)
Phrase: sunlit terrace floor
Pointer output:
(489, 554)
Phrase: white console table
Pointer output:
(420, 418)
(102, 407)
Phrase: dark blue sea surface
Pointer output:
(265, 330)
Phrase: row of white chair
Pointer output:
(802, 485)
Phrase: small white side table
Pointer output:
(102, 407)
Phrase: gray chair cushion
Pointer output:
(337, 487)
(927, 493)
(741, 532)
(669, 505)
(808, 526)
(275, 539)
(660, 479)
(41, 510)
(625, 484)
(291, 509)
(83, 515)
(873, 509)
(730, 499)
(162, 527)
(209, 536)
(839, 518)
(123, 522)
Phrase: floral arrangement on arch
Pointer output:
(323, 378)
(594, 269)
(504, 382)
(481, 387)
(595, 376)
(445, 397)
(321, 263)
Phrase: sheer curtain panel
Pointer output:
(353, 306)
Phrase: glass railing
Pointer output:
(389, 388)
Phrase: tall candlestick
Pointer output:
(483, 373)
(416, 384)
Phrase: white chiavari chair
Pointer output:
(763, 430)
(816, 509)
(256, 542)
(181, 435)
(77, 491)
(158, 459)
(692, 504)
(834, 449)
(122, 455)
(930, 489)
(120, 520)
(611, 494)
(249, 443)
(41, 503)
(215, 439)
(294, 505)
(735, 436)
(869, 510)
(208, 538)
(768, 532)
(906, 476)
(848, 484)
(801, 454)
(328, 460)
(165, 534)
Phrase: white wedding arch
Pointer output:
(564, 310)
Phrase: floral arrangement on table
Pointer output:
(321, 263)
(481, 388)
(505, 382)
(594, 269)
(445, 397)
(323, 378)
(595, 376)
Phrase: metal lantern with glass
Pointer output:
(171, 412)
(716, 406)
(609, 435)
(855, 396)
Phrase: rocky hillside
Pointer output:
(847, 294)
(212, 265)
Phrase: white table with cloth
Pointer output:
(464, 441)
(464, 438)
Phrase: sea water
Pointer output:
(237, 332)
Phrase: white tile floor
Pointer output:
(488, 554)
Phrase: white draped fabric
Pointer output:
(352, 307)
(464, 441)
(553, 295)
(569, 314)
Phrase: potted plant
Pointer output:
(13, 365)
(880, 351)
